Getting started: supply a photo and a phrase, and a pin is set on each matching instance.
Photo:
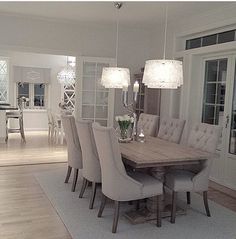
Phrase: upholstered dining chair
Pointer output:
(116, 183)
(73, 149)
(148, 123)
(204, 137)
(91, 165)
(171, 129)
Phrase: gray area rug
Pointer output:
(83, 223)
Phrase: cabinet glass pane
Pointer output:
(211, 71)
(222, 70)
(88, 98)
(102, 98)
(102, 122)
(89, 83)
(87, 111)
(101, 112)
(89, 68)
(210, 93)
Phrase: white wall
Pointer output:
(38, 35)
(37, 119)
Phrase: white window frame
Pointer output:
(31, 97)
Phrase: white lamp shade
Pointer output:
(163, 74)
(66, 76)
(115, 77)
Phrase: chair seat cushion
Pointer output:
(151, 186)
(179, 180)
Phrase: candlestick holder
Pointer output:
(130, 107)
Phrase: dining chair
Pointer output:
(50, 125)
(117, 185)
(91, 165)
(148, 123)
(57, 129)
(171, 129)
(17, 115)
(204, 137)
(73, 149)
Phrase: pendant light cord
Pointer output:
(117, 34)
(166, 15)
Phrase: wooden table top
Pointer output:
(155, 152)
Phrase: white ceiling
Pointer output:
(132, 13)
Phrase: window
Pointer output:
(208, 40)
(4, 76)
(36, 93)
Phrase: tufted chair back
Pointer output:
(91, 164)
(148, 123)
(171, 129)
(72, 140)
(204, 137)
(116, 184)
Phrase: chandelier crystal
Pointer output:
(66, 76)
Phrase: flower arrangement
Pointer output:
(124, 122)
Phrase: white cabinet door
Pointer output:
(94, 102)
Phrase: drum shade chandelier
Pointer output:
(163, 73)
(116, 77)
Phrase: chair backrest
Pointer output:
(148, 123)
(204, 137)
(72, 140)
(171, 129)
(50, 119)
(116, 184)
(91, 164)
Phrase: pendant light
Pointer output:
(163, 73)
(67, 75)
(116, 77)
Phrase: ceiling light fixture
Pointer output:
(116, 77)
(163, 73)
(67, 75)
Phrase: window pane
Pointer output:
(221, 94)
(194, 43)
(211, 71)
(209, 40)
(226, 36)
(39, 92)
(210, 93)
(222, 70)
(208, 114)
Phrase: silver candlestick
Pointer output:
(131, 107)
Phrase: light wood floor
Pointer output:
(25, 211)
(36, 150)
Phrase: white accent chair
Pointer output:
(116, 183)
(148, 123)
(171, 129)
(73, 149)
(204, 137)
(91, 165)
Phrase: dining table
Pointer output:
(158, 154)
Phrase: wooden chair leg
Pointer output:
(84, 185)
(159, 201)
(116, 216)
(173, 210)
(188, 198)
(102, 206)
(68, 174)
(94, 188)
(205, 199)
(76, 172)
